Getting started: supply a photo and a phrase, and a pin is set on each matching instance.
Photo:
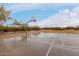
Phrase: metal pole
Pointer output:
(26, 27)
(26, 30)
(14, 31)
(25, 35)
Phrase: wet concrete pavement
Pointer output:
(41, 44)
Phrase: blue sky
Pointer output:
(42, 11)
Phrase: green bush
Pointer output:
(35, 28)
(1, 28)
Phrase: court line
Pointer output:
(66, 48)
(71, 47)
(62, 41)
(59, 47)
(49, 48)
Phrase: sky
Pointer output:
(46, 14)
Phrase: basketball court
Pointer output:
(42, 44)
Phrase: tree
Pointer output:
(17, 23)
(18, 26)
(4, 15)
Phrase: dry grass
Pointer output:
(62, 31)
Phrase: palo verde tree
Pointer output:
(4, 14)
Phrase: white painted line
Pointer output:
(62, 42)
(71, 47)
(49, 48)
(66, 48)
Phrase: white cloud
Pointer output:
(21, 7)
(18, 7)
(63, 18)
